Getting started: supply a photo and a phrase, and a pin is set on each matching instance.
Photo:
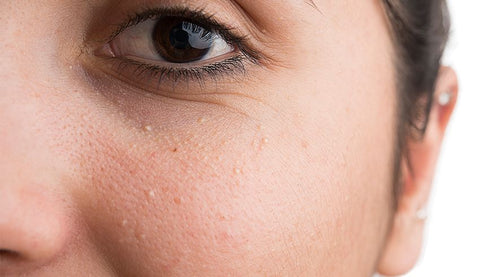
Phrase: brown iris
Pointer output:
(178, 40)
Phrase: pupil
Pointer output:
(178, 40)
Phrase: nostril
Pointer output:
(6, 254)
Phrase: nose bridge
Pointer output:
(22, 142)
(14, 36)
(27, 41)
(23, 82)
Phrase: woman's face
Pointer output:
(279, 164)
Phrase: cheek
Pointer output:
(198, 195)
(220, 202)
(206, 196)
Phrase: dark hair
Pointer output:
(420, 30)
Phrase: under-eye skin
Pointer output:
(165, 47)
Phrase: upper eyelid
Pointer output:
(196, 14)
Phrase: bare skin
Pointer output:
(284, 170)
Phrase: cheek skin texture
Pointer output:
(156, 186)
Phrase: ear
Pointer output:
(404, 244)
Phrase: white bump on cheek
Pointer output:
(124, 223)
(148, 128)
(263, 143)
(151, 194)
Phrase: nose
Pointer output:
(34, 215)
(34, 219)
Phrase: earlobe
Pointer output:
(404, 243)
(403, 246)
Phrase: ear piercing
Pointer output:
(421, 214)
(445, 98)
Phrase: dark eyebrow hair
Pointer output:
(312, 4)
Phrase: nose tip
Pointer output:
(32, 231)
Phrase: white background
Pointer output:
(452, 246)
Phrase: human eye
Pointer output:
(174, 46)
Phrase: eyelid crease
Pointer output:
(260, 34)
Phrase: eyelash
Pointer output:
(230, 66)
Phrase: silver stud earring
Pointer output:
(421, 214)
(445, 98)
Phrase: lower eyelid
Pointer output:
(165, 80)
